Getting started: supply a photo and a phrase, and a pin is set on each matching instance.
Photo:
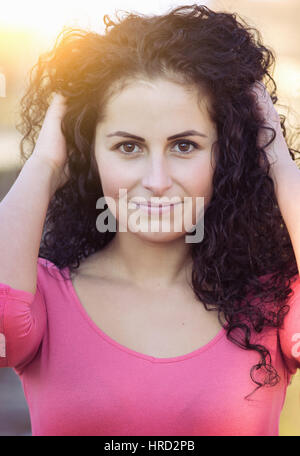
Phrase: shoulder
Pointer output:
(45, 264)
(48, 272)
(289, 333)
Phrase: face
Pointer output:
(134, 151)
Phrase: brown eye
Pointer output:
(185, 149)
(129, 148)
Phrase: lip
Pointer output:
(155, 208)
(155, 204)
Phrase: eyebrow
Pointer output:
(139, 138)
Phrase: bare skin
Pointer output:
(166, 322)
(137, 290)
(23, 210)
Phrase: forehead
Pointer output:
(159, 100)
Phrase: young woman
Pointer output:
(139, 331)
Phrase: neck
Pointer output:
(147, 263)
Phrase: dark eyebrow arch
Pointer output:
(138, 138)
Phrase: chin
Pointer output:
(159, 236)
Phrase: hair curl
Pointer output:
(245, 236)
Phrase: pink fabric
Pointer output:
(78, 381)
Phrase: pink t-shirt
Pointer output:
(79, 381)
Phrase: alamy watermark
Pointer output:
(136, 215)
(296, 347)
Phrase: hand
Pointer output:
(277, 150)
(51, 145)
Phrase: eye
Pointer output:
(130, 149)
(186, 150)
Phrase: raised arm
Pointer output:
(23, 209)
(283, 170)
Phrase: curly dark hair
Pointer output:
(245, 236)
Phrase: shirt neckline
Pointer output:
(130, 351)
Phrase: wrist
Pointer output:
(47, 173)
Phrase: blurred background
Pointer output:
(29, 28)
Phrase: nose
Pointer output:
(157, 178)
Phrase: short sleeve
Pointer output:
(289, 334)
(22, 326)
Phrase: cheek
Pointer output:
(113, 178)
(200, 180)
(200, 186)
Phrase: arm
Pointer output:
(283, 171)
(23, 316)
(24, 208)
(287, 187)
(22, 308)
(22, 215)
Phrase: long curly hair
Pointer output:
(245, 236)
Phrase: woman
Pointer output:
(122, 332)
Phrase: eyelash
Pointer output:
(195, 145)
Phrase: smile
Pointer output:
(155, 208)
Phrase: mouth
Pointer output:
(153, 205)
(155, 208)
